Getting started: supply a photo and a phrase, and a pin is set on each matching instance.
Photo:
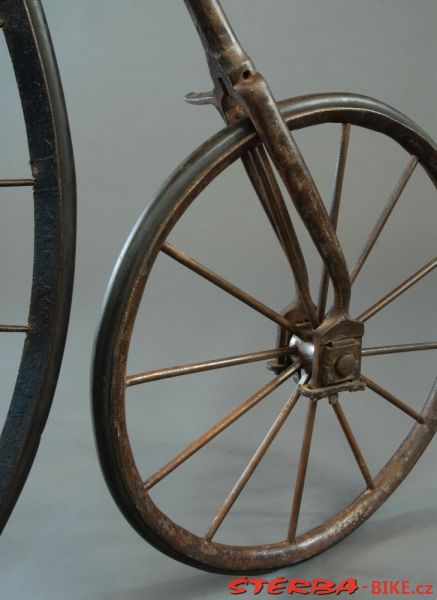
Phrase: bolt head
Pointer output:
(346, 365)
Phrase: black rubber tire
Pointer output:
(54, 191)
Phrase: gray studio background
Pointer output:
(125, 69)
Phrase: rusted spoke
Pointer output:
(225, 285)
(16, 182)
(393, 400)
(14, 328)
(207, 365)
(220, 426)
(335, 208)
(351, 440)
(302, 469)
(384, 216)
(254, 462)
(263, 179)
(397, 291)
(376, 350)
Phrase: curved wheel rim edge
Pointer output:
(328, 108)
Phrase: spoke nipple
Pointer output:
(333, 399)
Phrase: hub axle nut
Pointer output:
(346, 365)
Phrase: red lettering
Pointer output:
(277, 586)
(348, 585)
(235, 584)
(405, 587)
(323, 586)
(297, 586)
(258, 584)
(376, 588)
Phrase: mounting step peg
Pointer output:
(201, 98)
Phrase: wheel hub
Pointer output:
(332, 358)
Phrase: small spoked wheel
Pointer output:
(51, 207)
(161, 452)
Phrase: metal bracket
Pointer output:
(337, 352)
(325, 392)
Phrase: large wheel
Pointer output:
(52, 184)
(119, 418)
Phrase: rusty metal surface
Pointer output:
(238, 84)
(118, 318)
(208, 365)
(326, 346)
(53, 182)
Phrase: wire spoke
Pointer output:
(333, 400)
(207, 365)
(376, 350)
(225, 285)
(335, 209)
(393, 400)
(398, 291)
(302, 469)
(384, 216)
(220, 426)
(14, 328)
(263, 179)
(254, 462)
(16, 182)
